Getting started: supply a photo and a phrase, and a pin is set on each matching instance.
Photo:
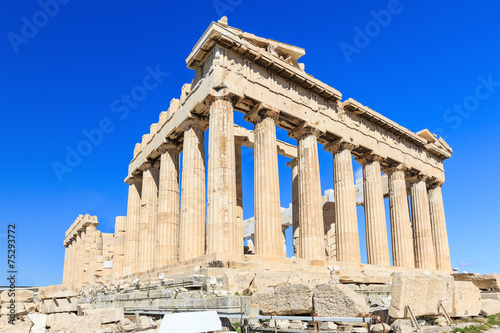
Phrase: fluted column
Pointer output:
(85, 256)
(329, 226)
(268, 234)
(402, 237)
(65, 267)
(119, 247)
(283, 240)
(295, 205)
(79, 260)
(92, 233)
(346, 223)
(422, 231)
(311, 230)
(377, 245)
(148, 218)
(438, 225)
(239, 196)
(221, 212)
(192, 228)
(130, 264)
(72, 272)
(167, 236)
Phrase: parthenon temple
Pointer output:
(171, 223)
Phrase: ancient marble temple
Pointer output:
(169, 221)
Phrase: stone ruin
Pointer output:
(181, 246)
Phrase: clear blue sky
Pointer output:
(425, 66)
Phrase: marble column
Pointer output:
(131, 263)
(85, 256)
(422, 231)
(268, 234)
(65, 267)
(329, 227)
(311, 230)
(72, 266)
(167, 236)
(295, 205)
(283, 240)
(346, 223)
(402, 236)
(119, 247)
(239, 195)
(438, 225)
(79, 258)
(221, 211)
(148, 218)
(93, 250)
(377, 245)
(69, 264)
(192, 228)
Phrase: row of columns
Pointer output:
(91, 255)
(80, 253)
(418, 240)
(154, 237)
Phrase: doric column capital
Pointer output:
(389, 170)
(368, 158)
(292, 164)
(339, 145)
(133, 180)
(219, 94)
(417, 178)
(433, 182)
(195, 120)
(303, 130)
(150, 164)
(260, 112)
(169, 145)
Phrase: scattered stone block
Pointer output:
(490, 307)
(58, 305)
(127, 325)
(57, 291)
(380, 328)
(16, 309)
(39, 322)
(107, 315)
(328, 326)
(235, 281)
(466, 299)
(401, 326)
(483, 282)
(20, 326)
(70, 322)
(490, 295)
(297, 325)
(285, 300)
(280, 324)
(86, 324)
(31, 307)
(21, 296)
(268, 280)
(60, 321)
(338, 300)
(421, 291)
(144, 322)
